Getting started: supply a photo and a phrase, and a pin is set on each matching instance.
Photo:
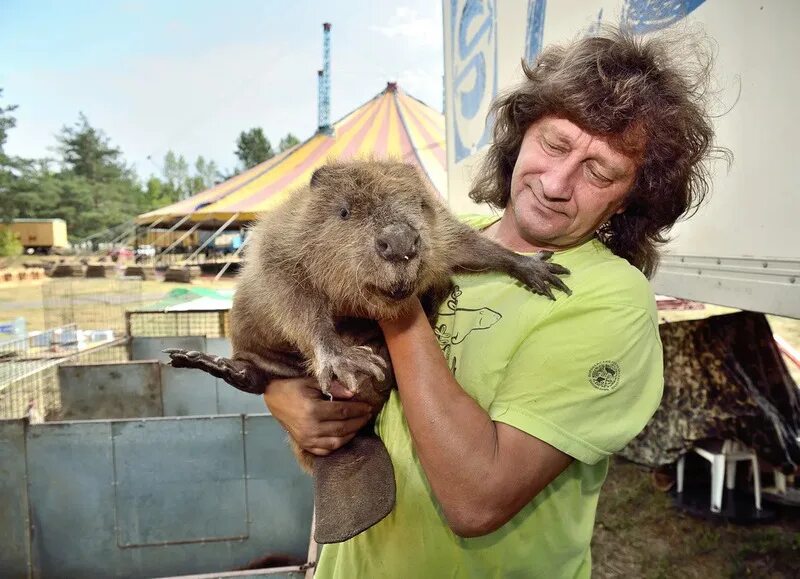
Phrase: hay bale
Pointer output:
(68, 270)
(146, 272)
(100, 270)
(182, 274)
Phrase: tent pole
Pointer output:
(210, 239)
(149, 229)
(186, 234)
(125, 233)
(171, 229)
(129, 229)
(230, 261)
(121, 235)
(107, 231)
(156, 222)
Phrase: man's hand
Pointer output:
(317, 424)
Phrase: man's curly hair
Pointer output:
(628, 89)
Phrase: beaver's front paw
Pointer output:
(540, 275)
(347, 366)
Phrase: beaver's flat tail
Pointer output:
(354, 488)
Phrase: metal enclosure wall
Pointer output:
(112, 390)
(14, 519)
(150, 497)
(146, 387)
(199, 491)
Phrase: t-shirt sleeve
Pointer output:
(585, 382)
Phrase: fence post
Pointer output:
(128, 346)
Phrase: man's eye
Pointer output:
(598, 177)
(550, 147)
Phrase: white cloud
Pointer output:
(423, 84)
(407, 24)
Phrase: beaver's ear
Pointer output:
(319, 175)
(408, 171)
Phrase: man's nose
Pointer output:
(558, 182)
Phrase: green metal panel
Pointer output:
(170, 489)
(153, 497)
(115, 390)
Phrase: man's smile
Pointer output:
(543, 207)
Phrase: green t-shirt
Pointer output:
(582, 373)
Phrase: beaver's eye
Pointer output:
(344, 213)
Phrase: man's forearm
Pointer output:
(455, 439)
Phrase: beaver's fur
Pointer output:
(351, 247)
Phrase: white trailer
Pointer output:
(742, 249)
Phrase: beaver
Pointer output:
(349, 248)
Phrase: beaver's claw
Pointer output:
(237, 373)
(540, 275)
(346, 367)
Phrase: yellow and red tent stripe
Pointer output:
(391, 125)
(191, 204)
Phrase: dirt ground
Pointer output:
(639, 533)
(26, 299)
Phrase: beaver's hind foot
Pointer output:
(239, 374)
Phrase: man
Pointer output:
(506, 413)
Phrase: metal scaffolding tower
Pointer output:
(324, 77)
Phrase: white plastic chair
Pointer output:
(723, 466)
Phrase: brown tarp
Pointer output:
(724, 378)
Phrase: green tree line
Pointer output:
(92, 187)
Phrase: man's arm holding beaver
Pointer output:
(316, 424)
(482, 472)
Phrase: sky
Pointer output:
(189, 76)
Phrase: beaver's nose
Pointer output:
(397, 242)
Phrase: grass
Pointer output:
(26, 300)
(639, 534)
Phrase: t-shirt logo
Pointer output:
(604, 375)
(479, 318)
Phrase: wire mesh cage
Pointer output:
(153, 324)
(29, 369)
(91, 304)
(92, 322)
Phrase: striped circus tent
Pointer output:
(391, 125)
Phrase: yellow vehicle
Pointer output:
(40, 235)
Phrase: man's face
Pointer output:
(566, 183)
